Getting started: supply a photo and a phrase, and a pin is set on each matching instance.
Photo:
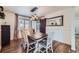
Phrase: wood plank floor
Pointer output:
(14, 47)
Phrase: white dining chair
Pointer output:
(28, 44)
(46, 43)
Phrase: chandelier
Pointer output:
(34, 17)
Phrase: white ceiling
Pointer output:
(42, 10)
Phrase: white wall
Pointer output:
(64, 33)
(77, 25)
(10, 20)
(57, 31)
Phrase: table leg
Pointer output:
(37, 47)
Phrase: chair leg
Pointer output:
(36, 47)
(27, 49)
(46, 49)
(51, 49)
(39, 48)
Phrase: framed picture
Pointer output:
(55, 21)
(2, 15)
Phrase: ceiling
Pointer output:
(42, 10)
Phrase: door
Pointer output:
(5, 35)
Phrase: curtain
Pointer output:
(16, 27)
(43, 25)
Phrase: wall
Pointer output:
(57, 31)
(64, 33)
(10, 20)
(77, 25)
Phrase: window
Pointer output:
(20, 24)
(23, 23)
(36, 25)
(27, 23)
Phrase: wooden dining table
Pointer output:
(37, 39)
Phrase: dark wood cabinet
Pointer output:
(5, 35)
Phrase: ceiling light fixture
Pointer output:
(34, 17)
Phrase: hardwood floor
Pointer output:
(59, 47)
(14, 47)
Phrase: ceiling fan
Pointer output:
(35, 16)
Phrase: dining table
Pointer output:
(37, 38)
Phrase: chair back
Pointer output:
(24, 36)
(25, 33)
(29, 31)
(50, 38)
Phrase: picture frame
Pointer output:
(2, 15)
(55, 21)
